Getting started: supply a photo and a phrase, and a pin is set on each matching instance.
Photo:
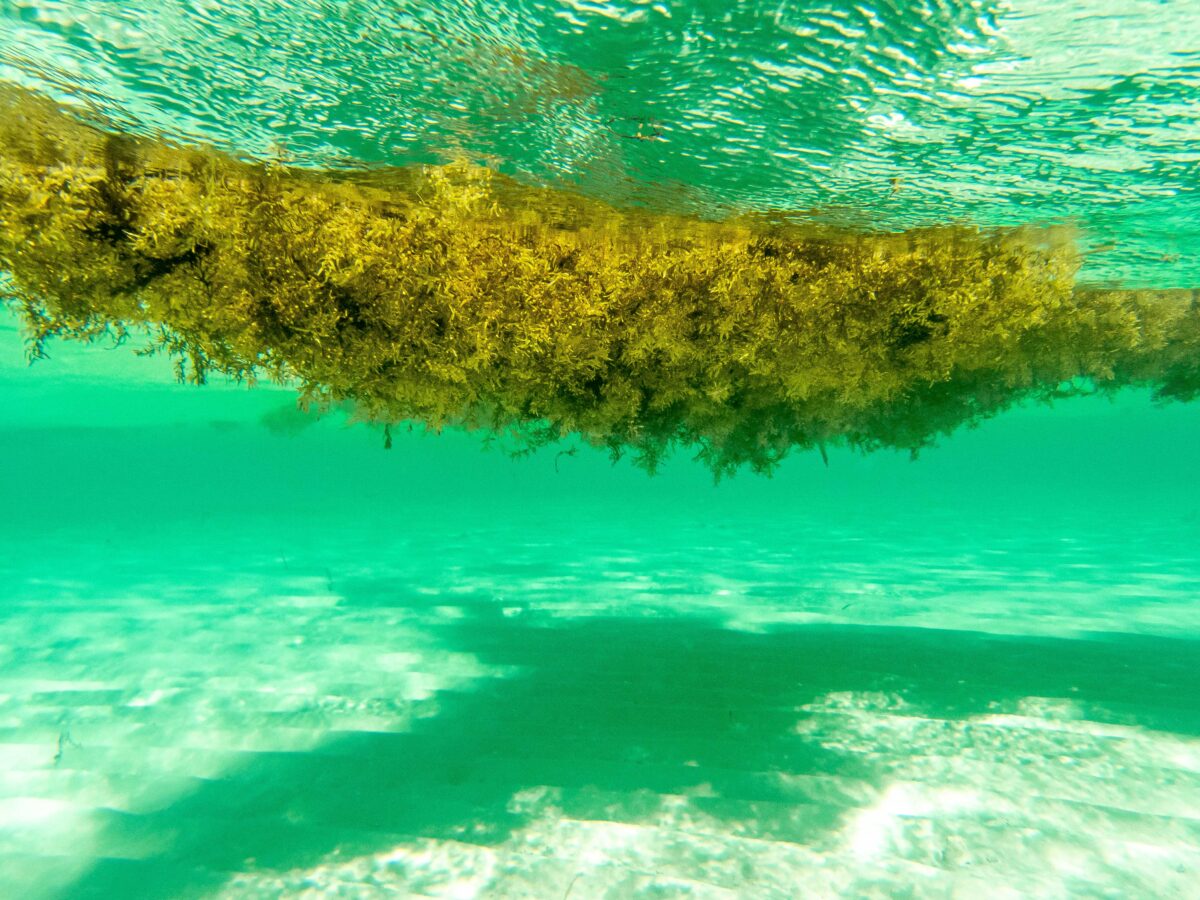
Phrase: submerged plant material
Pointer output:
(453, 296)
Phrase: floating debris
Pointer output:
(452, 295)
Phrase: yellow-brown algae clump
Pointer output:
(454, 296)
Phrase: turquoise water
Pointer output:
(244, 652)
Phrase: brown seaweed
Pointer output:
(453, 296)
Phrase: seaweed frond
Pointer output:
(453, 296)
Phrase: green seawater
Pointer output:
(247, 652)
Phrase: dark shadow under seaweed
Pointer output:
(615, 712)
